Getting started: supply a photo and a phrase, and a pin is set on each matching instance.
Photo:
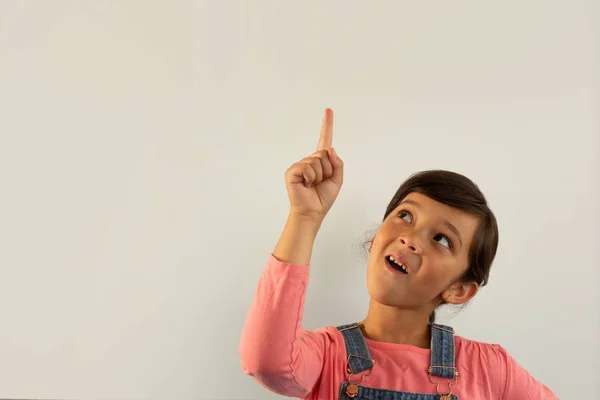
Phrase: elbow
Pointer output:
(252, 358)
(273, 373)
(248, 364)
(268, 359)
(273, 377)
(255, 362)
(260, 355)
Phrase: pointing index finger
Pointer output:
(326, 140)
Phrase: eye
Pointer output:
(403, 213)
(448, 244)
(444, 237)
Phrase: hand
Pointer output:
(314, 182)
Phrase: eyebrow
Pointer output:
(447, 223)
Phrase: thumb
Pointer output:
(338, 167)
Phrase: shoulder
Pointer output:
(482, 361)
(487, 353)
(470, 345)
(493, 363)
(332, 334)
(332, 339)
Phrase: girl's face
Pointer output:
(433, 239)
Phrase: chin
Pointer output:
(383, 293)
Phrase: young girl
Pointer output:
(435, 245)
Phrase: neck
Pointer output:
(393, 325)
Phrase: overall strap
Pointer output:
(442, 351)
(358, 356)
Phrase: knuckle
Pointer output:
(309, 167)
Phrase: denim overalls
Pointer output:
(359, 360)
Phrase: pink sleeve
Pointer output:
(520, 384)
(274, 348)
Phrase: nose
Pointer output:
(410, 244)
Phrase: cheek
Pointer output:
(434, 273)
(440, 275)
(386, 230)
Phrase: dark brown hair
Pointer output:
(458, 191)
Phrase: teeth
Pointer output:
(399, 264)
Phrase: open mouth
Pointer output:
(395, 264)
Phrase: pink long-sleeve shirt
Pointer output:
(292, 361)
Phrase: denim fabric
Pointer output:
(359, 360)
(442, 350)
(367, 393)
(357, 352)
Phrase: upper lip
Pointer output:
(401, 258)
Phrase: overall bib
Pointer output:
(360, 364)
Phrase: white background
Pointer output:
(143, 146)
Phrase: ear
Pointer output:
(460, 292)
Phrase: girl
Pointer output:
(435, 245)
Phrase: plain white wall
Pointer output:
(142, 156)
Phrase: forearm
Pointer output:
(297, 240)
